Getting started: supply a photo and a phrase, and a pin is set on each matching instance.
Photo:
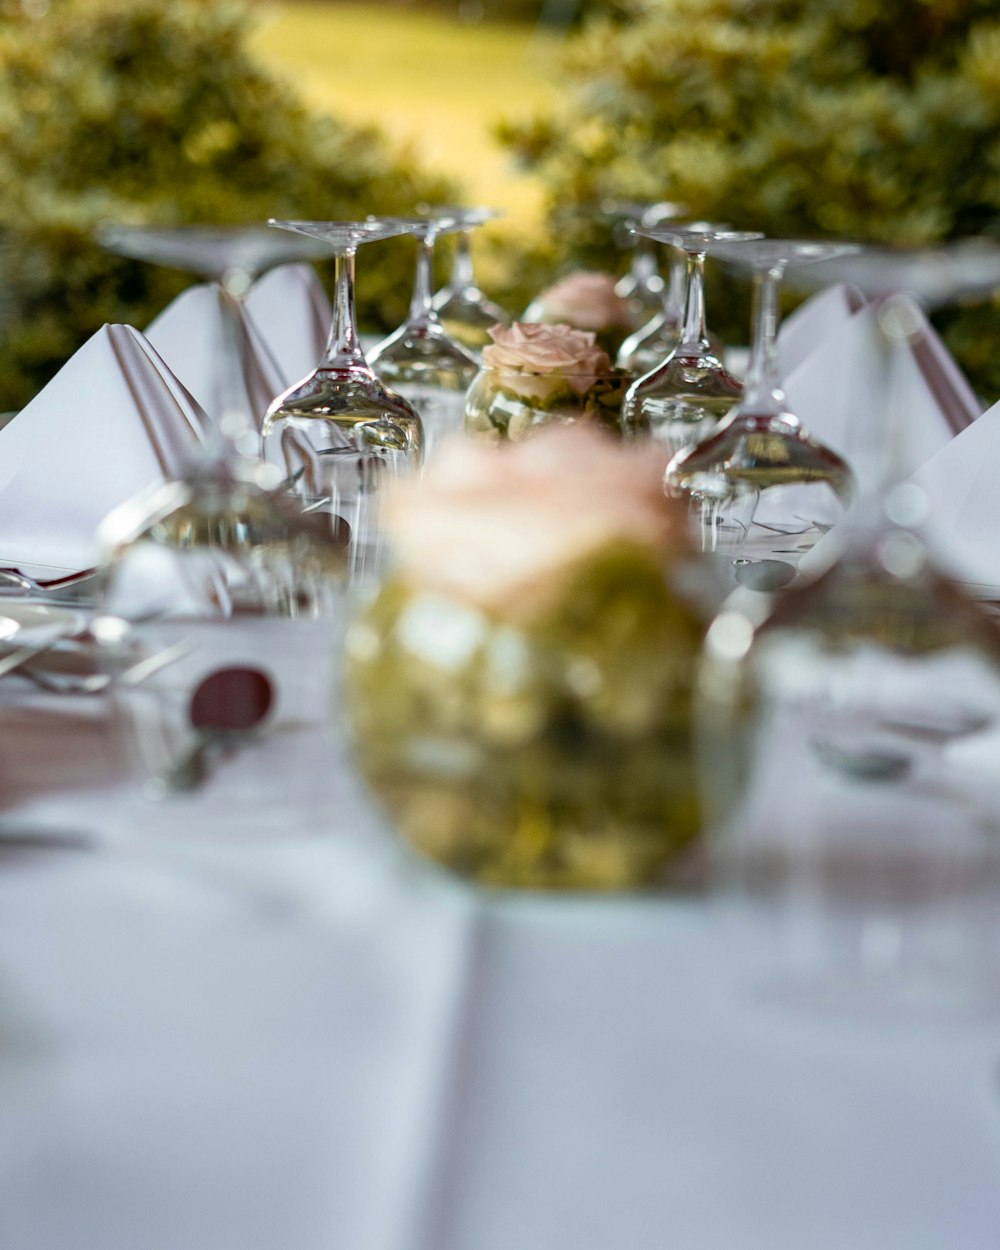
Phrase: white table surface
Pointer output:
(264, 1027)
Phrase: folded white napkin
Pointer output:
(190, 335)
(112, 421)
(813, 322)
(838, 391)
(960, 482)
(289, 308)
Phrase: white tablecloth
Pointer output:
(268, 1028)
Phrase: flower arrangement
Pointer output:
(519, 688)
(536, 375)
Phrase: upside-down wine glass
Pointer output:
(759, 463)
(419, 359)
(653, 342)
(465, 313)
(683, 400)
(643, 285)
(851, 734)
(336, 434)
(216, 570)
(232, 257)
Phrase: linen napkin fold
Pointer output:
(289, 308)
(839, 393)
(813, 322)
(960, 482)
(190, 334)
(112, 421)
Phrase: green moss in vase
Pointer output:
(538, 736)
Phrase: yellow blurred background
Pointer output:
(434, 83)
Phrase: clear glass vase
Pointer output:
(511, 403)
(550, 752)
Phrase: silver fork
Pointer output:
(96, 682)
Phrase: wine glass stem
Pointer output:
(421, 311)
(897, 319)
(462, 276)
(343, 348)
(676, 297)
(762, 393)
(880, 420)
(233, 432)
(695, 338)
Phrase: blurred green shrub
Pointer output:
(875, 119)
(140, 111)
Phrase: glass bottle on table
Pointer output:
(683, 400)
(850, 732)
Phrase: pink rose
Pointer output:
(537, 361)
(585, 299)
(495, 524)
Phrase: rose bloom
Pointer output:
(537, 361)
(497, 524)
(585, 299)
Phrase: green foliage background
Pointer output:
(873, 119)
(153, 112)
